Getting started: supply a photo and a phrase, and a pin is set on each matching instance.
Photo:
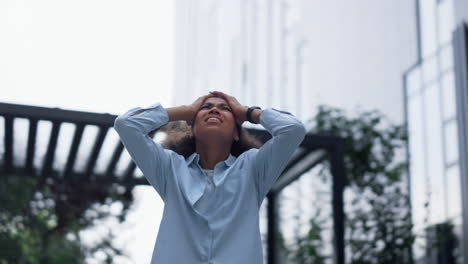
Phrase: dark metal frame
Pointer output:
(407, 149)
(58, 116)
(313, 150)
(460, 43)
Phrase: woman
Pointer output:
(211, 196)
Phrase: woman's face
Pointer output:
(215, 119)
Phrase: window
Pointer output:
(446, 58)
(417, 169)
(454, 207)
(448, 95)
(451, 142)
(429, 70)
(445, 21)
(413, 81)
(434, 153)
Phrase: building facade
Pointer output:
(431, 91)
(394, 56)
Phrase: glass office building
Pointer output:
(430, 95)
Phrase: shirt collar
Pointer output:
(195, 157)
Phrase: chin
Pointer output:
(213, 132)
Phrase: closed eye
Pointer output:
(224, 107)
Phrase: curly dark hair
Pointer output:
(181, 140)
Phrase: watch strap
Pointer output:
(249, 113)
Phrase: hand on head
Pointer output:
(195, 107)
(238, 109)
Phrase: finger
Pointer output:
(218, 93)
(215, 93)
(205, 96)
(201, 99)
(223, 95)
(231, 100)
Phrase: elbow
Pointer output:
(119, 122)
(295, 131)
(299, 130)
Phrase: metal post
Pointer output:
(272, 229)
(460, 43)
(339, 182)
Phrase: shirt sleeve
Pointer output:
(153, 160)
(270, 160)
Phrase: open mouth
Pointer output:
(213, 119)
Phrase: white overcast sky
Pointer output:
(100, 56)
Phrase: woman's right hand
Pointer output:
(195, 107)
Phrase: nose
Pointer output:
(214, 110)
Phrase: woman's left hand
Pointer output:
(238, 109)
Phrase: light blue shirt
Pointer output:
(229, 231)
(203, 205)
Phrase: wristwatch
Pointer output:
(249, 113)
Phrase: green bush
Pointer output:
(378, 216)
(41, 219)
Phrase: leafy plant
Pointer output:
(308, 249)
(41, 220)
(378, 224)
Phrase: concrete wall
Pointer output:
(358, 51)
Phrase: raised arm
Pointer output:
(174, 113)
(269, 161)
(133, 127)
